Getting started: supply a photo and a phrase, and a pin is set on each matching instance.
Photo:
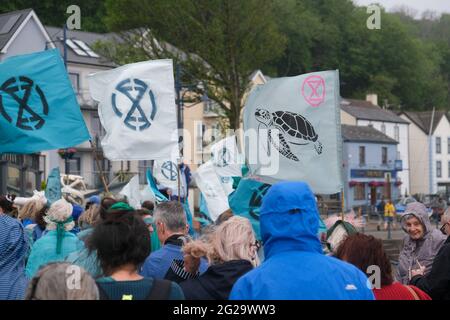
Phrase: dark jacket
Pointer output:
(216, 282)
(437, 282)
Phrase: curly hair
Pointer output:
(363, 251)
(233, 239)
(120, 241)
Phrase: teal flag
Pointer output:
(246, 201)
(53, 188)
(154, 189)
(293, 130)
(38, 107)
(187, 210)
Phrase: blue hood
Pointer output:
(289, 219)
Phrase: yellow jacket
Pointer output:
(389, 210)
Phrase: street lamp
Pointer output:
(179, 86)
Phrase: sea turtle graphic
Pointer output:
(293, 129)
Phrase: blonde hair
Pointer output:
(91, 216)
(54, 282)
(233, 239)
(30, 210)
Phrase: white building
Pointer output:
(368, 113)
(430, 162)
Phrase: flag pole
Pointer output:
(179, 182)
(102, 177)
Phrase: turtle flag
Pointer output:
(226, 158)
(53, 187)
(137, 110)
(38, 108)
(246, 201)
(211, 187)
(295, 122)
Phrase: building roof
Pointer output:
(9, 23)
(364, 134)
(88, 38)
(365, 110)
(423, 119)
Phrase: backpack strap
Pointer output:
(102, 293)
(414, 294)
(160, 290)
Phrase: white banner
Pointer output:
(211, 187)
(137, 109)
(226, 159)
(132, 192)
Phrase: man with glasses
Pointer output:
(437, 282)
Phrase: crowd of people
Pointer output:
(109, 250)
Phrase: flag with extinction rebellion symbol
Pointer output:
(38, 108)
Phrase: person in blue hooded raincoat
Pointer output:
(58, 243)
(295, 267)
(13, 252)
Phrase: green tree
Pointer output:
(218, 42)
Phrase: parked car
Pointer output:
(400, 206)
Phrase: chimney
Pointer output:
(373, 98)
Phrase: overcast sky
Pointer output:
(420, 5)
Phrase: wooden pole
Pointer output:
(102, 177)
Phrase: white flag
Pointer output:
(132, 192)
(166, 173)
(137, 110)
(210, 185)
(226, 158)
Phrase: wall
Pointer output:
(30, 39)
(419, 160)
(443, 131)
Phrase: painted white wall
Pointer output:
(419, 159)
(443, 131)
(402, 147)
(30, 39)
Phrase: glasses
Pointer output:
(443, 228)
(257, 244)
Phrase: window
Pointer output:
(200, 129)
(396, 133)
(81, 48)
(449, 169)
(383, 128)
(438, 169)
(384, 156)
(362, 155)
(359, 192)
(75, 79)
(143, 166)
(438, 144)
(74, 165)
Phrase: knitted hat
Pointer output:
(59, 218)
